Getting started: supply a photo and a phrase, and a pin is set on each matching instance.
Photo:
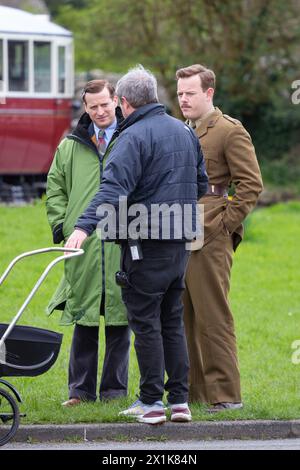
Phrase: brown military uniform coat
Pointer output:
(230, 158)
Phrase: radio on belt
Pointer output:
(135, 249)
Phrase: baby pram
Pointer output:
(24, 350)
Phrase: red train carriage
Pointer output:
(36, 88)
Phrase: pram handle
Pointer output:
(73, 252)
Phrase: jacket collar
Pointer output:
(142, 112)
(85, 130)
(209, 121)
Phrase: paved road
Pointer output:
(276, 444)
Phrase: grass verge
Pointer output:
(265, 298)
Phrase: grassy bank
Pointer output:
(265, 297)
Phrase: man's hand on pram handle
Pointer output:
(76, 239)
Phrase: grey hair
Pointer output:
(138, 86)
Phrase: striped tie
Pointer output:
(101, 142)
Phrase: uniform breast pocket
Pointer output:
(211, 158)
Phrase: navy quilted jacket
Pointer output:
(155, 160)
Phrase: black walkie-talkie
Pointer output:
(135, 249)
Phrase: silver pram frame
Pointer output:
(25, 350)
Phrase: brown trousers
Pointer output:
(214, 372)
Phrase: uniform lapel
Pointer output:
(208, 122)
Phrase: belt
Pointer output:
(217, 190)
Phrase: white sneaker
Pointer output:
(135, 410)
(154, 414)
(180, 413)
(149, 414)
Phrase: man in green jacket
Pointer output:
(88, 287)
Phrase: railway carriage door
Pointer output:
(64, 89)
(42, 107)
(2, 96)
(16, 121)
(1, 72)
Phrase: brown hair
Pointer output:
(207, 76)
(96, 86)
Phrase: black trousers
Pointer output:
(83, 363)
(155, 315)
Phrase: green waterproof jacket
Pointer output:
(73, 180)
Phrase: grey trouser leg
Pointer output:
(114, 378)
(84, 362)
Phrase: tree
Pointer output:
(252, 45)
(54, 5)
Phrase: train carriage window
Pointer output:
(42, 66)
(61, 69)
(1, 66)
(18, 65)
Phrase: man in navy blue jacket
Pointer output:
(156, 166)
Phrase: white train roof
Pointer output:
(14, 21)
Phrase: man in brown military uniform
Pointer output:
(230, 158)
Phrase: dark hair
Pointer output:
(207, 76)
(96, 86)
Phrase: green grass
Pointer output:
(265, 298)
